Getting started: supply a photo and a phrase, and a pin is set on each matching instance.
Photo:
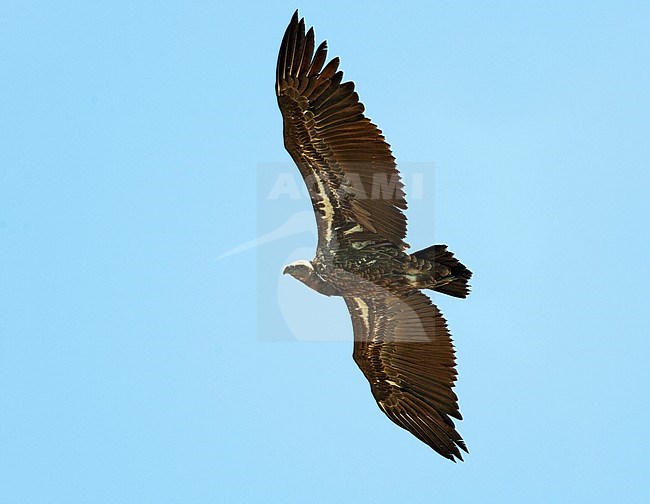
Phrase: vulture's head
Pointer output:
(300, 270)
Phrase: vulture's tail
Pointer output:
(458, 286)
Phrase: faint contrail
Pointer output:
(300, 222)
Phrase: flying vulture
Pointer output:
(401, 340)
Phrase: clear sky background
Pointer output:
(137, 367)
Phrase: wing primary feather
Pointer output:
(307, 53)
(319, 59)
(296, 57)
(282, 60)
(330, 69)
(326, 89)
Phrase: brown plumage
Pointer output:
(402, 344)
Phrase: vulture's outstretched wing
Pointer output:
(348, 166)
(402, 345)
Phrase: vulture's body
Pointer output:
(401, 341)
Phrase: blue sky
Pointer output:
(136, 365)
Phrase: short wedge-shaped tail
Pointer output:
(459, 286)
